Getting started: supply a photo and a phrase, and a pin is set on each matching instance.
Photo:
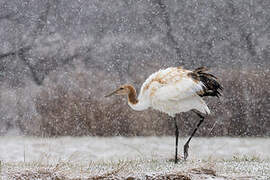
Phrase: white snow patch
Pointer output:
(140, 155)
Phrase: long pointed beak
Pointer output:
(112, 93)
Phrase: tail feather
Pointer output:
(208, 75)
(212, 86)
(200, 69)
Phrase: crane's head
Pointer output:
(122, 90)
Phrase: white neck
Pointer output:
(140, 105)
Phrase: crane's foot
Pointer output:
(179, 159)
(186, 146)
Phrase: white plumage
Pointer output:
(171, 91)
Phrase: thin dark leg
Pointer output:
(176, 140)
(186, 146)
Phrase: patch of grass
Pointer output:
(253, 158)
(244, 158)
(141, 168)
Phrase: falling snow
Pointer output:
(59, 58)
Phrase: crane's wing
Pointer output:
(173, 90)
(177, 90)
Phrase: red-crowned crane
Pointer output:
(174, 90)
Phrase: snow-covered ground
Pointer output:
(134, 156)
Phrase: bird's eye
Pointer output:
(121, 88)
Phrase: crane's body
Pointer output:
(174, 90)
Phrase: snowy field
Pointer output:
(136, 157)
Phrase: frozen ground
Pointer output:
(139, 157)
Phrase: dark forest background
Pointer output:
(58, 58)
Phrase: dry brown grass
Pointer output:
(57, 173)
(241, 111)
